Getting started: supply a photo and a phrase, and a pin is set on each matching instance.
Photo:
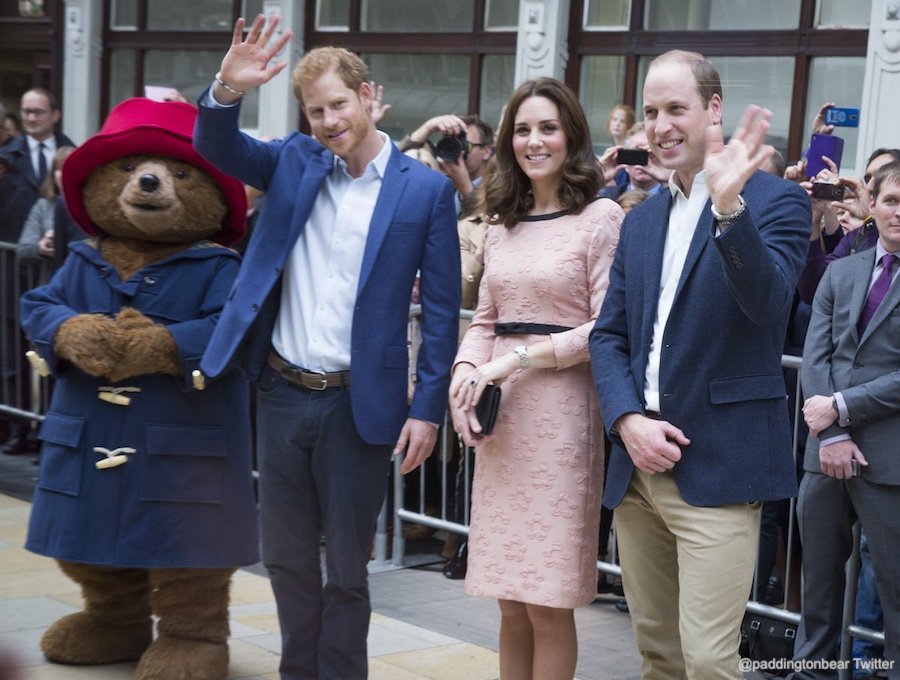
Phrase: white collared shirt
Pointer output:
(49, 151)
(321, 275)
(683, 220)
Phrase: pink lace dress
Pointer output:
(536, 495)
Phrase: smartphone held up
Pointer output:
(632, 157)
(826, 191)
(842, 116)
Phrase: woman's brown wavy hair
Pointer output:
(506, 196)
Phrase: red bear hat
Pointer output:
(141, 126)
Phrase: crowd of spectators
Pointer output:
(518, 196)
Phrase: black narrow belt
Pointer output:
(522, 328)
(311, 380)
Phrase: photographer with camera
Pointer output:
(463, 151)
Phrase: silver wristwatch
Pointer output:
(522, 352)
(730, 218)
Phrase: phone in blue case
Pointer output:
(842, 116)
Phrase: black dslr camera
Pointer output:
(449, 147)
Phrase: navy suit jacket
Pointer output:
(19, 187)
(413, 229)
(720, 374)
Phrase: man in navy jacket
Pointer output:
(686, 356)
(319, 317)
(20, 185)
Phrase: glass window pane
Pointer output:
(602, 84)
(419, 87)
(501, 15)
(196, 15)
(121, 76)
(9, 8)
(766, 81)
(333, 15)
(498, 72)
(838, 80)
(721, 15)
(125, 15)
(415, 16)
(191, 72)
(251, 8)
(600, 14)
(843, 14)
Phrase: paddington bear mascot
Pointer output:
(145, 495)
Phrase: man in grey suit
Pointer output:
(851, 378)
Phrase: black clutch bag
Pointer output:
(487, 407)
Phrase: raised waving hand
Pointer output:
(248, 62)
(729, 166)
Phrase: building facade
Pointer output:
(788, 55)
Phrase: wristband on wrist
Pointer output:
(226, 87)
(409, 143)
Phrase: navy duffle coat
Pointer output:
(185, 497)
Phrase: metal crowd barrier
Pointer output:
(435, 513)
(17, 402)
(23, 395)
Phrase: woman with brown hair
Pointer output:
(536, 494)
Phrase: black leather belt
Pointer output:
(311, 380)
(522, 328)
(656, 415)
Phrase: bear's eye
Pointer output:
(128, 167)
(181, 174)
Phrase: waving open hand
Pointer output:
(729, 166)
(248, 63)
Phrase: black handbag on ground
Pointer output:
(487, 408)
(764, 638)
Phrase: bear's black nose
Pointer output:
(149, 183)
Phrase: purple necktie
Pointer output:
(877, 292)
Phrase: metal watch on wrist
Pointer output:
(522, 352)
(732, 217)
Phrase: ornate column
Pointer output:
(879, 120)
(81, 66)
(542, 47)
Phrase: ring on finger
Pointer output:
(473, 381)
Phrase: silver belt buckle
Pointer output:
(321, 376)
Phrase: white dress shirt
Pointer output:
(683, 220)
(321, 275)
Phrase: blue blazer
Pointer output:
(720, 371)
(413, 229)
